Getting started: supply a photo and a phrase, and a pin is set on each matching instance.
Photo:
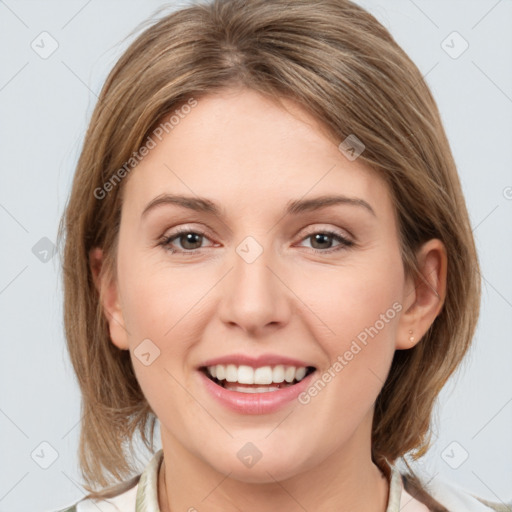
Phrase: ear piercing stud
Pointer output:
(411, 338)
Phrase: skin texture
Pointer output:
(251, 157)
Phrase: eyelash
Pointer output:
(344, 242)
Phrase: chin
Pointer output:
(264, 470)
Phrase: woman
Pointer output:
(231, 141)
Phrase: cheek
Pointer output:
(162, 312)
(347, 300)
(356, 311)
(356, 328)
(157, 299)
(160, 317)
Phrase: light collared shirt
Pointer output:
(143, 497)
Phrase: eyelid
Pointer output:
(311, 229)
(320, 228)
(185, 229)
(344, 241)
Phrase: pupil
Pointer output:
(321, 237)
(189, 239)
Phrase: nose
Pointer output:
(254, 296)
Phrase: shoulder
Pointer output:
(142, 488)
(455, 497)
(124, 502)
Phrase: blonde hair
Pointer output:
(341, 65)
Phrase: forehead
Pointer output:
(244, 150)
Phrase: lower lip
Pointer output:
(255, 403)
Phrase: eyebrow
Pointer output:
(292, 208)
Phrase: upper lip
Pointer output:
(255, 362)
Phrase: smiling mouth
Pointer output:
(244, 379)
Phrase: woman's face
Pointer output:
(263, 277)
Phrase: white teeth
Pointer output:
(220, 371)
(242, 389)
(231, 373)
(278, 373)
(300, 373)
(246, 375)
(263, 375)
(289, 374)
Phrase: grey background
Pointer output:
(45, 105)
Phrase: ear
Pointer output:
(109, 298)
(424, 295)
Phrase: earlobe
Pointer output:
(109, 298)
(424, 295)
